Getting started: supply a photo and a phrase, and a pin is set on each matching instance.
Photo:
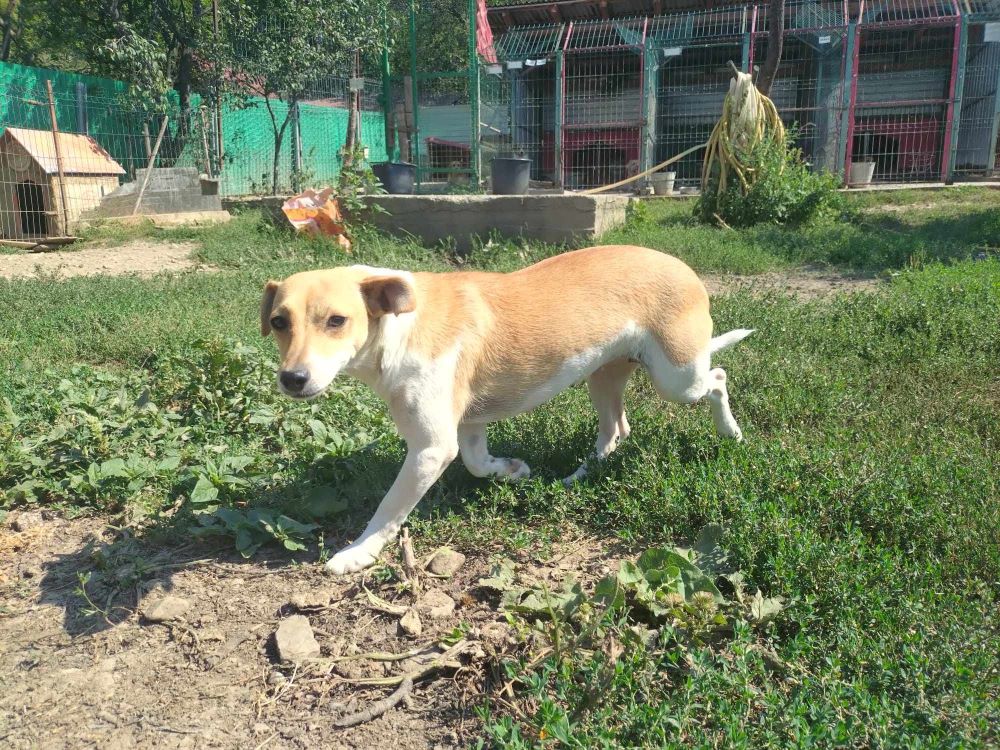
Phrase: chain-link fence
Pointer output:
(78, 147)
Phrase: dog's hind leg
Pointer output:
(477, 459)
(718, 397)
(691, 382)
(607, 394)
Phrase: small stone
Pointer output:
(166, 609)
(410, 623)
(294, 639)
(276, 678)
(261, 728)
(446, 562)
(436, 604)
(308, 600)
(26, 521)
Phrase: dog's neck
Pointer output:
(379, 360)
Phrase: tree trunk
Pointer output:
(775, 42)
(279, 136)
(352, 117)
(9, 22)
(185, 69)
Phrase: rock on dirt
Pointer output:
(166, 609)
(26, 521)
(294, 639)
(410, 623)
(446, 562)
(304, 601)
(436, 604)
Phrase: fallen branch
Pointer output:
(378, 708)
(446, 660)
(410, 568)
(377, 602)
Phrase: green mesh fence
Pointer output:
(309, 155)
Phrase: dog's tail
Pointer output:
(726, 340)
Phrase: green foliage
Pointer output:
(782, 190)
(922, 227)
(662, 607)
(152, 440)
(357, 181)
(281, 49)
(865, 495)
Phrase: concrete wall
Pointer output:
(460, 219)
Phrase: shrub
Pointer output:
(781, 190)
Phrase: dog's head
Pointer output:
(322, 319)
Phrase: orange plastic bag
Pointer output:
(317, 213)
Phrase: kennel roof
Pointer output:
(81, 154)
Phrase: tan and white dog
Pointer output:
(452, 352)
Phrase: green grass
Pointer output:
(924, 227)
(867, 492)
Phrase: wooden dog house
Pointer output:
(31, 198)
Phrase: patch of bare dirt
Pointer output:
(802, 284)
(140, 257)
(211, 677)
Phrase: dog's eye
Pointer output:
(335, 321)
(279, 323)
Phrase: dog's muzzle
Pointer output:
(294, 381)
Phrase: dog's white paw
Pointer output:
(352, 559)
(516, 470)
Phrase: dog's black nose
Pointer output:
(294, 380)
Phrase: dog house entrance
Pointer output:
(31, 202)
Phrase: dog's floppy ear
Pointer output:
(388, 294)
(266, 303)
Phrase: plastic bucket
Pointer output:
(663, 183)
(861, 173)
(397, 177)
(511, 176)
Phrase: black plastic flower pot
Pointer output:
(397, 177)
(511, 175)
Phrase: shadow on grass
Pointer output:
(106, 579)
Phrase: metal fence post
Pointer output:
(953, 118)
(995, 129)
(648, 129)
(850, 99)
(557, 141)
(475, 155)
(414, 84)
(748, 32)
(391, 147)
(296, 144)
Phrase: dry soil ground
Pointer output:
(212, 677)
(140, 257)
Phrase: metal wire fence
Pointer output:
(909, 88)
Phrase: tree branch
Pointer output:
(775, 42)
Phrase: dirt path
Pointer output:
(140, 257)
(212, 677)
(804, 284)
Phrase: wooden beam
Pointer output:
(59, 161)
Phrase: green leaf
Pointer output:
(170, 463)
(113, 468)
(708, 555)
(501, 576)
(762, 610)
(204, 491)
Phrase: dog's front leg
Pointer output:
(426, 460)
